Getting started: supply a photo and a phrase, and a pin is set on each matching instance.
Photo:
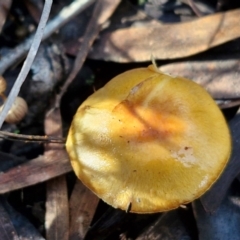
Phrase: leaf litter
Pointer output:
(130, 39)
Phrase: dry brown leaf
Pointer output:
(212, 199)
(83, 204)
(220, 76)
(124, 15)
(167, 41)
(4, 8)
(35, 171)
(57, 214)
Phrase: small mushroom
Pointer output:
(3, 84)
(149, 142)
(17, 112)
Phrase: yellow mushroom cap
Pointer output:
(149, 141)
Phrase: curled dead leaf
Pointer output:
(167, 41)
(218, 75)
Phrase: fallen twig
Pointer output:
(195, 9)
(102, 11)
(62, 18)
(31, 138)
(28, 62)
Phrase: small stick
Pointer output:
(66, 14)
(31, 138)
(28, 62)
(102, 11)
(192, 4)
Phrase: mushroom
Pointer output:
(3, 84)
(19, 108)
(148, 142)
(17, 112)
